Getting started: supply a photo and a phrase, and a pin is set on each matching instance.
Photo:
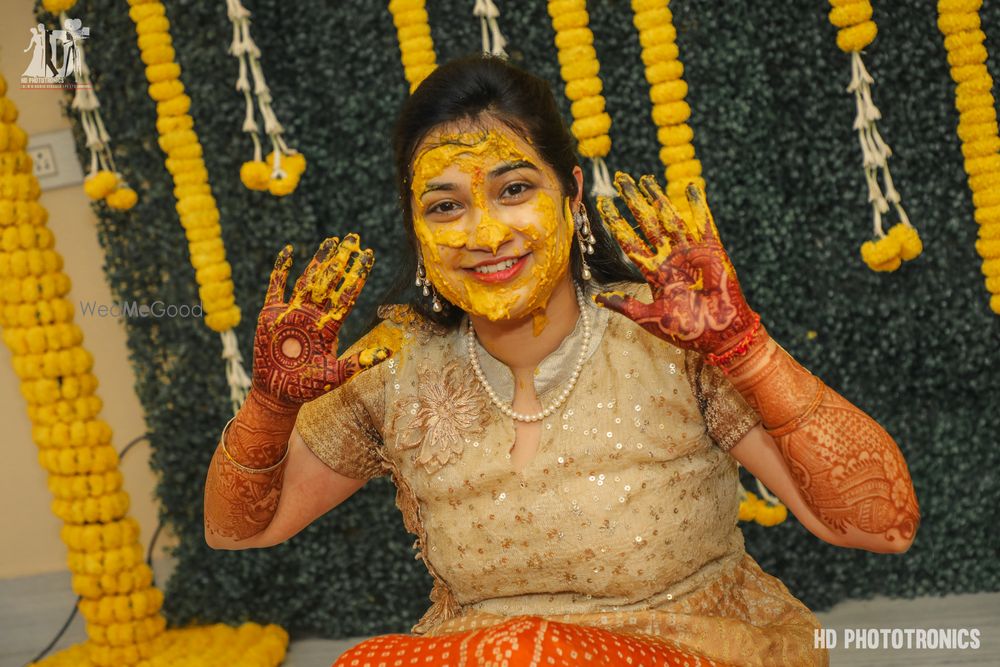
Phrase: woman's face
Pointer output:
(494, 228)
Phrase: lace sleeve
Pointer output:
(343, 427)
(727, 415)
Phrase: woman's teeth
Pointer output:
(494, 268)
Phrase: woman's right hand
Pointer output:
(295, 347)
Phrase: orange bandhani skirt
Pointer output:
(519, 642)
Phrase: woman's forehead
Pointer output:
(485, 137)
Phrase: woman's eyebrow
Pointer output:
(511, 166)
(433, 187)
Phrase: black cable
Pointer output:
(149, 561)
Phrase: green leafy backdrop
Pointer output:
(917, 349)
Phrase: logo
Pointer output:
(56, 55)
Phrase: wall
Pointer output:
(31, 531)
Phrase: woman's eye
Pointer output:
(443, 207)
(515, 190)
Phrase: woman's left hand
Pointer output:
(697, 300)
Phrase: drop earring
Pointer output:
(585, 238)
(425, 284)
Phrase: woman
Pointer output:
(571, 479)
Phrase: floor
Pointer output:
(32, 609)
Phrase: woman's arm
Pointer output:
(310, 489)
(839, 472)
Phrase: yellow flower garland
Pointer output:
(579, 69)
(958, 21)
(855, 31)
(664, 71)
(415, 44)
(199, 214)
(120, 606)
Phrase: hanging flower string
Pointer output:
(284, 167)
(964, 40)
(199, 214)
(103, 181)
(493, 39)
(856, 30)
(120, 605)
(579, 68)
(664, 72)
(415, 45)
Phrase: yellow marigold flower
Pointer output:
(154, 40)
(162, 91)
(961, 40)
(982, 148)
(566, 39)
(983, 181)
(675, 135)
(988, 248)
(100, 185)
(951, 23)
(592, 126)
(224, 320)
(672, 113)
(122, 199)
(684, 171)
(152, 25)
(910, 245)
(881, 251)
(666, 71)
(771, 515)
(969, 55)
(993, 285)
(959, 6)
(995, 304)
(295, 163)
(991, 268)
(668, 91)
(581, 88)
(138, 12)
(973, 131)
(56, 7)
(651, 17)
(158, 55)
(856, 37)
(280, 187)
(176, 106)
(982, 165)
(990, 230)
(969, 102)
(851, 14)
(595, 146)
(748, 507)
(255, 174)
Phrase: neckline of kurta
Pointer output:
(555, 369)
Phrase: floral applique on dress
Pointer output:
(448, 408)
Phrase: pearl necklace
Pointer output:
(507, 409)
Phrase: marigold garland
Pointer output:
(579, 69)
(958, 21)
(103, 180)
(415, 44)
(199, 214)
(120, 605)
(273, 176)
(856, 30)
(668, 90)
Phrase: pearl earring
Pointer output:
(586, 239)
(424, 283)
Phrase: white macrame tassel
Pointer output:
(602, 186)
(875, 152)
(236, 377)
(493, 40)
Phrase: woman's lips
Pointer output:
(502, 275)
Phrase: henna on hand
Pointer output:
(849, 469)
(294, 362)
(697, 301)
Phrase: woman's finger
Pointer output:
(702, 225)
(344, 369)
(670, 219)
(279, 277)
(329, 276)
(343, 298)
(643, 211)
(328, 246)
(633, 246)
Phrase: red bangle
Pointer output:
(738, 350)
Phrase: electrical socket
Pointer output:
(56, 164)
(44, 160)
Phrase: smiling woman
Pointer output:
(569, 471)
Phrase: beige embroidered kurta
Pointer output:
(626, 517)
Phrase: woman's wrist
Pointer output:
(258, 436)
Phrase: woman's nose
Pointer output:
(490, 234)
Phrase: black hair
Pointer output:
(470, 89)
